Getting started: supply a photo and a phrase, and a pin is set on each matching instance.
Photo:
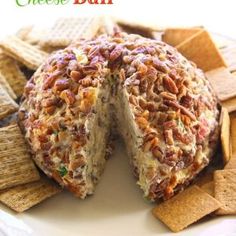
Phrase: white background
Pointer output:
(217, 15)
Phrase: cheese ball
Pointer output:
(160, 103)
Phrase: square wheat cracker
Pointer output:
(233, 133)
(23, 197)
(137, 28)
(12, 73)
(185, 208)
(175, 36)
(7, 104)
(201, 49)
(4, 83)
(209, 188)
(223, 82)
(67, 30)
(225, 191)
(16, 166)
(225, 135)
(229, 54)
(229, 104)
(23, 52)
(231, 163)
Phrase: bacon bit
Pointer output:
(202, 131)
(68, 96)
(185, 138)
(170, 85)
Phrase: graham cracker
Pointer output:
(201, 49)
(23, 52)
(16, 166)
(175, 36)
(7, 104)
(225, 135)
(229, 104)
(4, 83)
(13, 75)
(225, 191)
(229, 54)
(67, 30)
(223, 82)
(23, 197)
(185, 208)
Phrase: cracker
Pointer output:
(229, 54)
(209, 188)
(229, 104)
(225, 191)
(223, 82)
(201, 49)
(67, 30)
(16, 166)
(204, 179)
(23, 197)
(4, 83)
(233, 133)
(185, 208)
(23, 32)
(225, 135)
(35, 36)
(136, 28)
(231, 163)
(108, 26)
(13, 75)
(7, 104)
(23, 52)
(175, 36)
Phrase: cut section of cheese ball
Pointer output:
(160, 103)
(169, 116)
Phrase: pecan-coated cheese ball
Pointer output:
(160, 103)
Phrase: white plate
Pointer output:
(116, 209)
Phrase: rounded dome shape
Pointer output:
(159, 102)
